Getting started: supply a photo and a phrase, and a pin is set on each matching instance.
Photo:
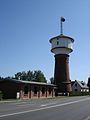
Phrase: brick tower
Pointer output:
(62, 47)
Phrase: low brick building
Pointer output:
(12, 88)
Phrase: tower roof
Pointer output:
(61, 36)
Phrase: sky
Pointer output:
(26, 26)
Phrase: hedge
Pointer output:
(1, 95)
(79, 93)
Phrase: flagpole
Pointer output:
(61, 27)
(61, 21)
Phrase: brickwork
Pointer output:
(11, 89)
(62, 78)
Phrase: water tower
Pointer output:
(61, 46)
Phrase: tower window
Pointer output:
(57, 42)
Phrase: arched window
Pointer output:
(35, 90)
(43, 90)
(50, 91)
(26, 89)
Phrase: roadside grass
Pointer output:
(80, 94)
(72, 94)
(31, 99)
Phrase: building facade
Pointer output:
(79, 86)
(12, 88)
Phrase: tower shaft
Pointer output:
(61, 73)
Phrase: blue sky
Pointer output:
(26, 27)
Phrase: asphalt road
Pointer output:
(70, 108)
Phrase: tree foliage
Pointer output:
(39, 76)
(0, 78)
(36, 76)
(88, 84)
(52, 80)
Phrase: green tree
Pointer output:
(52, 80)
(18, 76)
(39, 76)
(30, 75)
(23, 75)
(36, 76)
(88, 84)
(1, 78)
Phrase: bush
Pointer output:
(79, 93)
(1, 95)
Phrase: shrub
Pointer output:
(1, 95)
(79, 93)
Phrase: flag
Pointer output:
(62, 19)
